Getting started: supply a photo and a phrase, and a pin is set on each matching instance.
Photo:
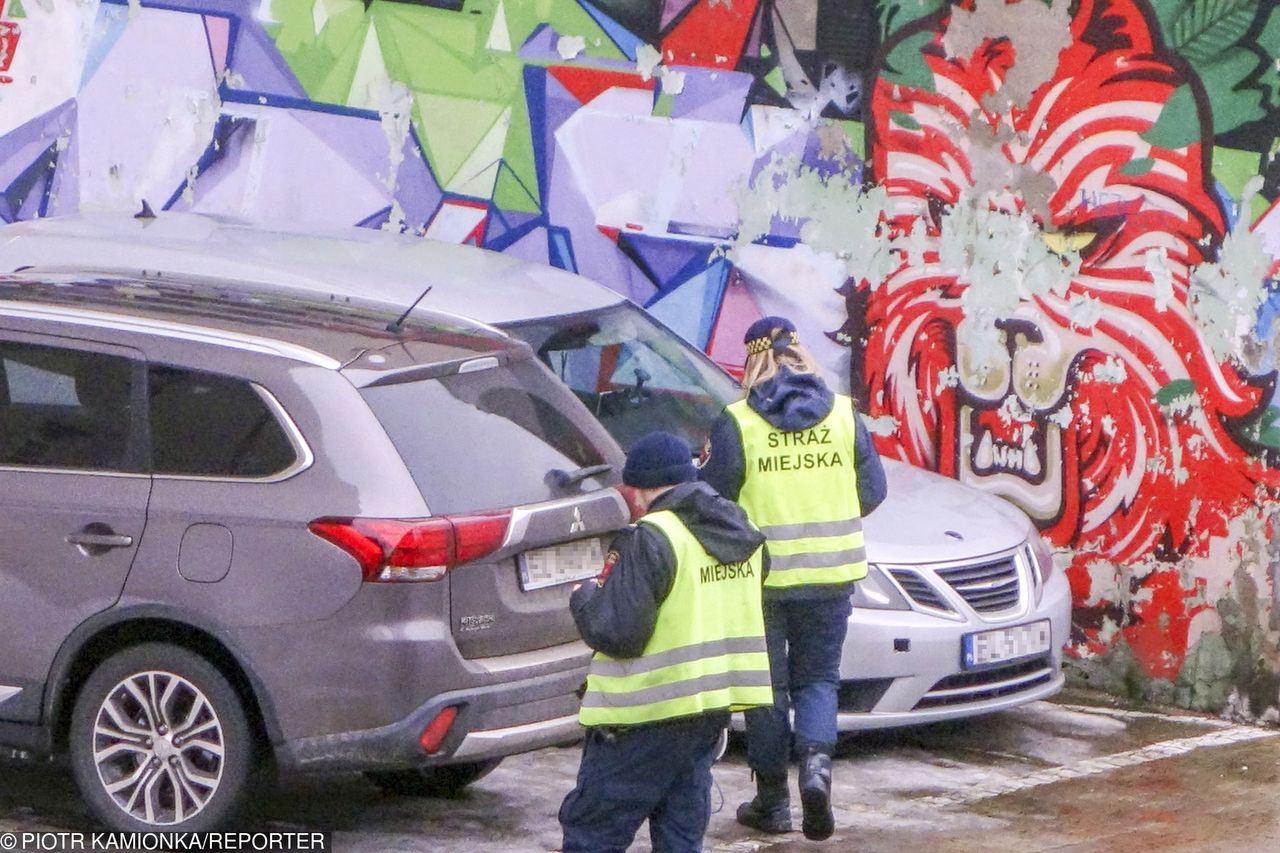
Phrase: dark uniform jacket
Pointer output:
(616, 614)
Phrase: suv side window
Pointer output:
(207, 425)
(65, 408)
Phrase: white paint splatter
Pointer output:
(1112, 370)
(570, 46)
(672, 81)
(885, 425)
(1225, 295)
(233, 80)
(1003, 260)
(1157, 264)
(395, 110)
(648, 58)
(1084, 312)
(948, 377)
(836, 216)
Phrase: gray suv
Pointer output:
(243, 528)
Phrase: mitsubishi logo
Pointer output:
(577, 525)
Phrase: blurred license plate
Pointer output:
(1005, 644)
(563, 563)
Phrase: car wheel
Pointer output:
(446, 781)
(159, 740)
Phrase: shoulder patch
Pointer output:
(610, 560)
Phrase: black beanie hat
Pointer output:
(659, 459)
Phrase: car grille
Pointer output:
(986, 587)
(967, 687)
(918, 589)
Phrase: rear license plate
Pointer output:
(563, 563)
(1002, 644)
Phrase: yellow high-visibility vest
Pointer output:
(801, 489)
(707, 651)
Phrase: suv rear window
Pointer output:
(206, 425)
(490, 438)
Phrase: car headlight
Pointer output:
(1040, 555)
(877, 592)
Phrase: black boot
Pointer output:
(770, 811)
(815, 794)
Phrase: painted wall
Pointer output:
(1041, 237)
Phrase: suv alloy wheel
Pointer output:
(159, 740)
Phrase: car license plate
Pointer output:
(1002, 644)
(563, 563)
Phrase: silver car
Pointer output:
(963, 612)
(244, 527)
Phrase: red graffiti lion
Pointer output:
(1115, 432)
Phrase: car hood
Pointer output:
(929, 518)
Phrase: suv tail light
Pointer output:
(395, 549)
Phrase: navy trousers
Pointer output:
(805, 638)
(659, 772)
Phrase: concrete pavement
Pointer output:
(1078, 774)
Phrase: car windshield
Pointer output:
(494, 437)
(633, 373)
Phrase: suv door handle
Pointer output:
(101, 540)
(97, 538)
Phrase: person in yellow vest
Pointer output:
(675, 619)
(798, 459)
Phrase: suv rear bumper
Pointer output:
(502, 719)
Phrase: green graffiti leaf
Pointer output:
(1268, 432)
(906, 66)
(1208, 27)
(904, 120)
(1268, 40)
(1179, 122)
(1231, 45)
(896, 14)
(1232, 106)
(1174, 390)
(1137, 168)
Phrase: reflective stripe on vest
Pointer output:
(801, 490)
(707, 651)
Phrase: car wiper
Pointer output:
(564, 479)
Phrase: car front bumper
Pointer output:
(904, 667)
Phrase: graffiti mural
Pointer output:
(1066, 328)
(1041, 235)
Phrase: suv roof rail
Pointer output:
(168, 328)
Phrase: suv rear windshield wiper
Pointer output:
(563, 479)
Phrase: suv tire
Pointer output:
(445, 781)
(159, 715)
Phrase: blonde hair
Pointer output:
(763, 366)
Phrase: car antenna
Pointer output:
(146, 212)
(399, 321)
